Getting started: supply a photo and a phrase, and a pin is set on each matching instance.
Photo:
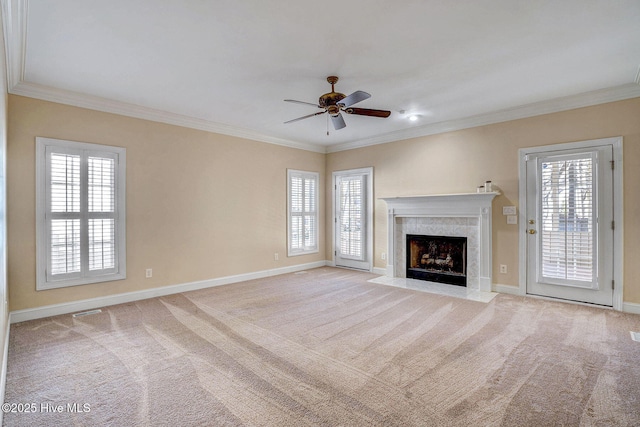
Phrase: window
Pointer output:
(568, 209)
(303, 212)
(80, 210)
(351, 222)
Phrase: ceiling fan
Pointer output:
(335, 102)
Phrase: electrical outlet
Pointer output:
(148, 273)
(276, 256)
(383, 256)
(512, 219)
(503, 269)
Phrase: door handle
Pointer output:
(531, 231)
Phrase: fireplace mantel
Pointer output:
(462, 205)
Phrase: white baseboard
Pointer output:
(3, 368)
(88, 304)
(627, 307)
(631, 307)
(380, 271)
(507, 289)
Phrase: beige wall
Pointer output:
(191, 194)
(457, 162)
(199, 205)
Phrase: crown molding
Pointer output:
(14, 26)
(618, 93)
(14, 23)
(91, 102)
(587, 99)
(14, 19)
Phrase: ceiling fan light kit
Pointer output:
(333, 103)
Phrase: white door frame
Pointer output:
(368, 171)
(618, 244)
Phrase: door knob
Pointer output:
(531, 231)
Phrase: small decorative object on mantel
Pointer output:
(488, 187)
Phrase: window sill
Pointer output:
(46, 286)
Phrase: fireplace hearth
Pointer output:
(440, 259)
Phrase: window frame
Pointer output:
(305, 175)
(44, 213)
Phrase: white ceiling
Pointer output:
(227, 65)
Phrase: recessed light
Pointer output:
(413, 117)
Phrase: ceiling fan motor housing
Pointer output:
(330, 99)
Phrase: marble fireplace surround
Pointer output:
(463, 215)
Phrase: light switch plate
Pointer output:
(508, 210)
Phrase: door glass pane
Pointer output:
(351, 221)
(568, 239)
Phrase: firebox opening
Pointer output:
(437, 259)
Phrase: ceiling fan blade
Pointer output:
(302, 102)
(305, 117)
(368, 112)
(338, 122)
(354, 98)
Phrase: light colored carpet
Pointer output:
(327, 348)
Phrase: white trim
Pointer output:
(3, 368)
(42, 246)
(469, 205)
(618, 209)
(379, 271)
(586, 99)
(508, 289)
(631, 307)
(311, 176)
(14, 15)
(88, 304)
(368, 172)
(96, 103)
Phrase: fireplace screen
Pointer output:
(437, 259)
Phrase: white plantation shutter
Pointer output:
(568, 213)
(65, 246)
(64, 187)
(351, 219)
(303, 212)
(101, 213)
(81, 227)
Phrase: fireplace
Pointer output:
(466, 215)
(437, 259)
